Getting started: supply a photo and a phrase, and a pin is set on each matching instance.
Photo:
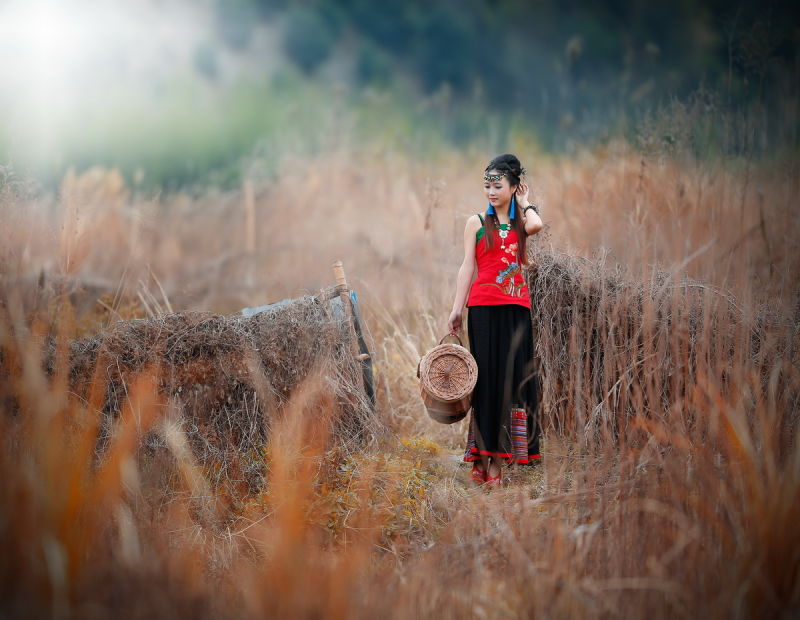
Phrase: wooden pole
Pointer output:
(356, 337)
(338, 274)
(344, 293)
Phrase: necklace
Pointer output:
(504, 229)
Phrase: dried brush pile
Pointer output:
(227, 377)
(611, 347)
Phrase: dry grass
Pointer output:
(671, 479)
(646, 346)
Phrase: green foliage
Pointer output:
(308, 37)
(443, 51)
(189, 135)
(575, 67)
(374, 66)
(235, 20)
(268, 8)
(392, 25)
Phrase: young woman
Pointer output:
(490, 282)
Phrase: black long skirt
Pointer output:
(504, 402)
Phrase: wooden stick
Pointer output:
(338, 274)
(341, 282)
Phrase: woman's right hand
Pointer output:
(454, 321)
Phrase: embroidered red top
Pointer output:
(500, 279)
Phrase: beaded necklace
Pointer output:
(503, 232)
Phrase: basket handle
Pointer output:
(456, 336)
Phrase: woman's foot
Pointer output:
(478, 473)
(494, 475)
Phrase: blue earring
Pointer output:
(490, 210)
(511, 216)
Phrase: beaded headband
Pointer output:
(499, 175)
(493, 177)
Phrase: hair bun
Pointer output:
(507, 162)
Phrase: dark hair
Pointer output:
(509, 164)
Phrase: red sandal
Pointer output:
(494, 481)
(478, 475)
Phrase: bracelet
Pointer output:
(530, 207)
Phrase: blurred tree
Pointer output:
(607, 50)
(444, 47)
(391, 25)
(269, 8)
(235, 20)
(373, 66)
(308, 37)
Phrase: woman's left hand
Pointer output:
(522, 195)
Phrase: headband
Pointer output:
(500, 175)
(493, 177)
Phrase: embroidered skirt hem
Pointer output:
(510, 458)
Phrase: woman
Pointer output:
(490, 282)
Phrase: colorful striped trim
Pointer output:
(519, 442)
(519, 435)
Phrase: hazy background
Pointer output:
(176, 93)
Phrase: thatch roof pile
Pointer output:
(230, 375)
(610, 346)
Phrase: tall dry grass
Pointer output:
(670, 484)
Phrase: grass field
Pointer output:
(679, 502)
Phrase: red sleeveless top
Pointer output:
(500, 279)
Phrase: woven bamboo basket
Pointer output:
(447, 375)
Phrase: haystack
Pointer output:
(229, 376)
(610, 346)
